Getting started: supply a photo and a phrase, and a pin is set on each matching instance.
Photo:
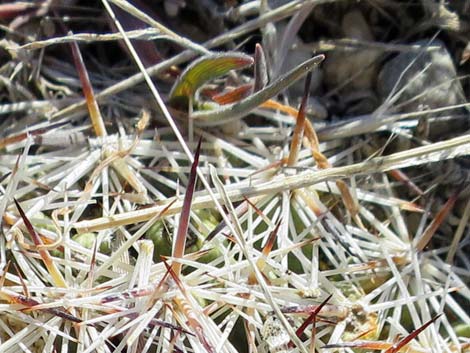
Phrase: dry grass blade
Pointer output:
(288, 37)
(141, 34)
(458, 234)
(372, 122)
(20, 137)
(134, 11)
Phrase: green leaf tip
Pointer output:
(244, 107)
(203, 70)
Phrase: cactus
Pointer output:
(272, 234)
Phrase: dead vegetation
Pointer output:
(234, 176)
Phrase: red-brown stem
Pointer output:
(397, 346)
(180, 242)
(437, 221)
(300, 124)
(92, 104)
